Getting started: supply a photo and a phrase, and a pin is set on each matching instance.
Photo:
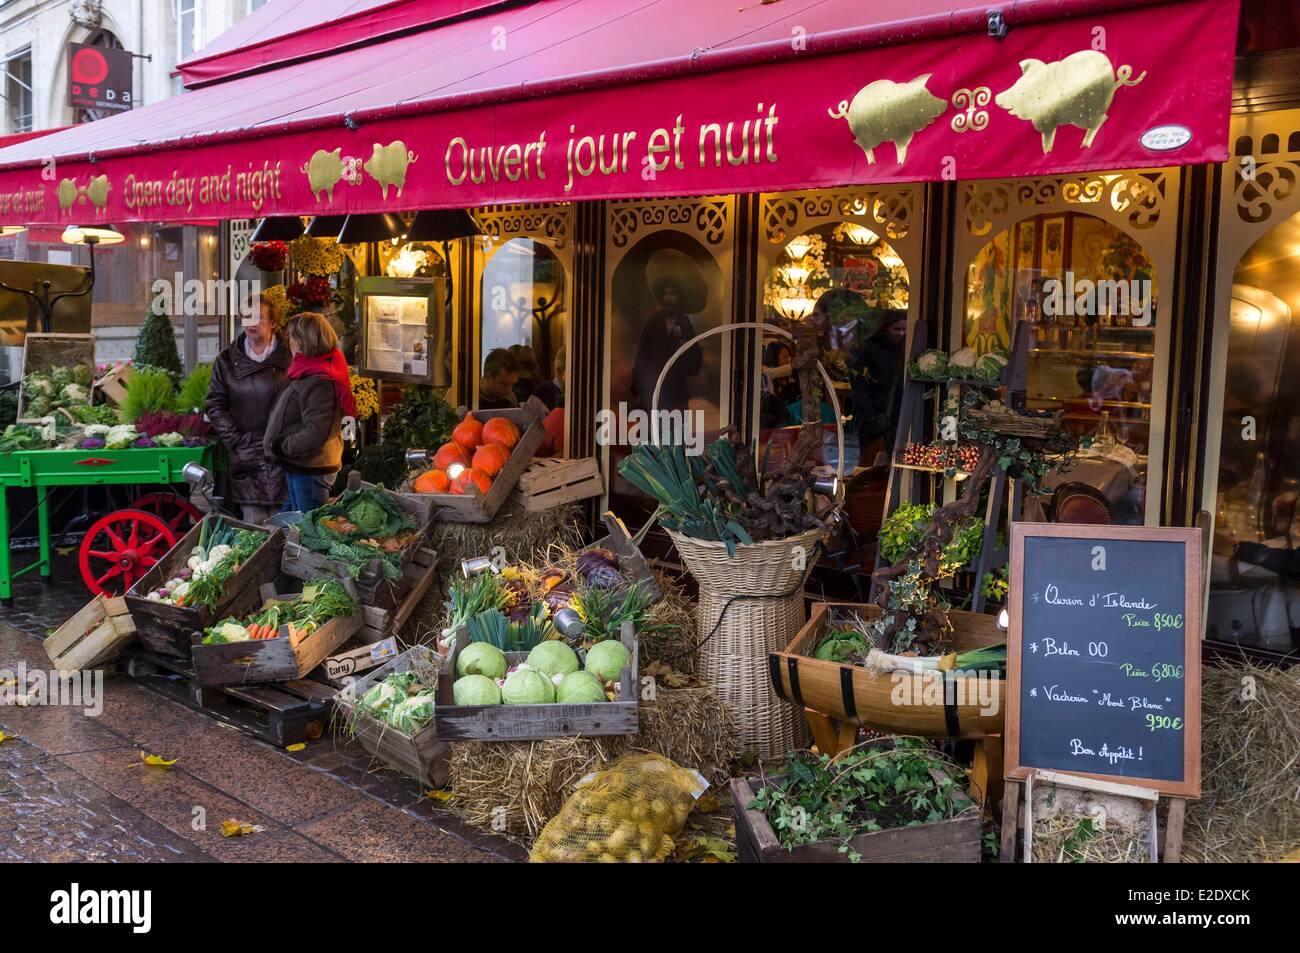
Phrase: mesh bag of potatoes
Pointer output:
(628, 812)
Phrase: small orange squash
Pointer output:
(501, 430)
(432, 481)
(449, 454)
(468, 433)
(472, 476)
(490, 458)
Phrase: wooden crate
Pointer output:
(302, 563)
(95, 635)
(376, 641)
(282, 714)
(422, 756)
(476, 506)
(164, 628)
(549, 482)
(269, 660)
(852, 693)
(43, 352)
(533, 722)
(113, 384)
(619, 541)
(952, 841)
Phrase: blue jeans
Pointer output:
(307, 490)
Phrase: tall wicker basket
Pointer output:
(768, 579)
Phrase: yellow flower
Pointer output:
(315, 256)
(365, 394)
(281, 297)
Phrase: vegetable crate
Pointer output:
(534, 722)
(285, 713)
(423, 755)
(955, 840)
(377, 638)
(164, 628)
(549, 482)
(372, 586)
(95, 635)
(477, 506)
(280, 659)
(853, 693)
(44, 352)
(619, 541)
(113, 384)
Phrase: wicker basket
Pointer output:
(734, 660)
(1012, 424)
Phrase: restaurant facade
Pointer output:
(1060, 164)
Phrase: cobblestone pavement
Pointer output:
(73, 787)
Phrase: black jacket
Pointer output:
(304, 433)
(238, 405)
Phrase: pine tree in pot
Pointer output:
(155, 345)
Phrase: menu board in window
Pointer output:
(396, 325)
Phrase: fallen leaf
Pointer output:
(155, 761)
(3, 736)
(705, 850)
(314, 730)
(234, 828)
(707, 803)
(296, 747)
(443, 795)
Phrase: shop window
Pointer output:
(523, 317)
(18, 92)
(1255, 561)
(189, 24)
(1089, 291)
(854, 286)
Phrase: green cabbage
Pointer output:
(554, 658)
(475, 690)
(580, 688)
(606, 660)
(369, 516)
(481, 658)
(527, 686)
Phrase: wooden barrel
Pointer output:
(932, 705)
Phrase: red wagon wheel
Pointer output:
(176, 511)
(120, 548)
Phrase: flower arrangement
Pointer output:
(316, 256)
(269, 256)
(365, 394)
(279, 295)
(312, 293)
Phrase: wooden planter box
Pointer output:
(306, 564)
(854, 694)
(164, 628)
(631, 560)
(954, 841)
(533, 722)
(549, 482)
(268, 660)
(422, 756)
(476, 506)
(44, 352)
(113, 384)
(95, 635)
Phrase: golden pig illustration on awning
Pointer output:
(885, 111)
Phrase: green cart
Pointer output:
(119, 547)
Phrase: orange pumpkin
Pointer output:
(468, 433)
(501, 430)
(449, 454)
(472, 476)
(490, 458)
(432, 481)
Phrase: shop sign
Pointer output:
(1103, 654)
(1166, 138)
(99, 78)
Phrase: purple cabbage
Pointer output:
(91, 443)
(143, 443)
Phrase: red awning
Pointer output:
(561, 99)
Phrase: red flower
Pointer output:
(269, 256)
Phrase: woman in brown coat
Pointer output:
(304, 433)
(247, 377)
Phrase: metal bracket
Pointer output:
(997, 24)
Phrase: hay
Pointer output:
(515, 787)
(1249, 809)
(1068, 839)
(676, 646)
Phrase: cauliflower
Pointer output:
(932, 363)
(120, 437)
(38, 384)
(169, 439)
(97, 431)
(74, 394)
(990, 366)
(964, 359)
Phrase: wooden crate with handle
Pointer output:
(423, 755)
(95, 635)
(476, 506)
(281, 659)
(549, 482)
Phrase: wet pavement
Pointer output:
(73, 786)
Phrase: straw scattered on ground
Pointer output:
(515, 787)
(1066, 838)
(1249, 809)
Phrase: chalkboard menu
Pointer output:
(1103, 660)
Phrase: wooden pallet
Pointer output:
(554, 481)
(282, 714)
